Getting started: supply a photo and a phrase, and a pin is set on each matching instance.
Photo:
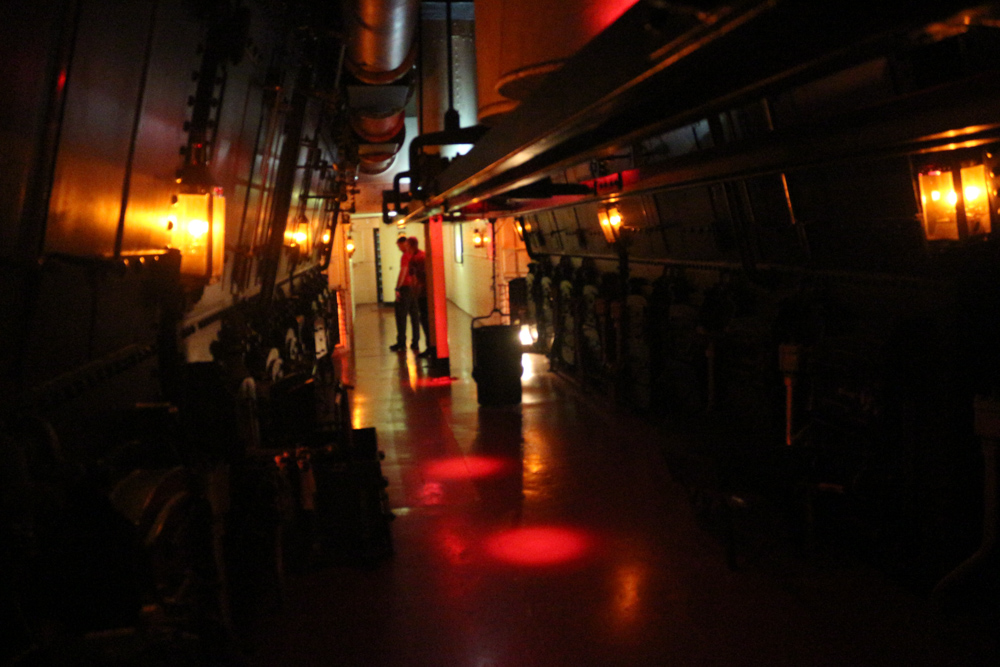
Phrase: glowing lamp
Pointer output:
(528, 335)
(197, 228)
(519, 227)
(349, 246)
(326, 237)
(611, 223)
(976, 200)
(948, 216)
(478, 239)
(297, 235)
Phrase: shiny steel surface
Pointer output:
(380, 34)
(377, 129)
(550, 534)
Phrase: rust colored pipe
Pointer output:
(377, 129)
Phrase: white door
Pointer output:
(363, 273)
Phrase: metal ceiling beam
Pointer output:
(653, 70)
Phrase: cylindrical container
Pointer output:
(522, 41)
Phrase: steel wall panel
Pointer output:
(29, 40)
(101, 96)
(161, 129)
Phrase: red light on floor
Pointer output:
(539, 546)
(467, 467)
(435, 382)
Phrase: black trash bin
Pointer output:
(496, 363)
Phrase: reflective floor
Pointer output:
(550, 533)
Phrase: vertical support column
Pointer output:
(437, 302)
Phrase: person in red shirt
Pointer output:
(417, 268)
(406, 300)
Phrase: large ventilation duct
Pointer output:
(380, 51)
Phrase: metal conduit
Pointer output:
(380, 44)
(380, 51)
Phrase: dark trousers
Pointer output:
(422, 307)
(406, 306)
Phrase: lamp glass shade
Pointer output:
(199, 232)
(976, 200)
(938, 199)
(606, 228)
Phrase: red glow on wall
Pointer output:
(467, 467)
(539, 546)
(61, 82)
(599, 15)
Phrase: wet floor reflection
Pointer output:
(537, 535)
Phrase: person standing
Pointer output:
(418, 278)
(406, 302)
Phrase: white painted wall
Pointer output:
(470, 282)
(363, 276)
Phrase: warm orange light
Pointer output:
(940, 218)
(326, 236)
(349, 246)
(526, 337)
(477, 239)
(198, 230)
(610, 220)
(940, 202)
(602, 218)
(614, 218)
(977, 205)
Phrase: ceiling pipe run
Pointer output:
(380, 51)
(380, 39)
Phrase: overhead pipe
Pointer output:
(380, 51)
(380, 39)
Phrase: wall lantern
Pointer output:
(197, 225)
(954, 200)
(611, 223)
(325, 239)
(477, 238)
(297, 235)
(349, 245)
(519, 227)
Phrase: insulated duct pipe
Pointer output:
(381, 49)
